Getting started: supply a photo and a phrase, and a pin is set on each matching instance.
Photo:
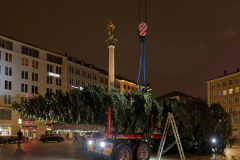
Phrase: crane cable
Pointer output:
(142, 50)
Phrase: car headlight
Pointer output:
(90, 142)
(102, 144)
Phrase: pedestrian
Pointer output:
(19, 133)
(1, 140)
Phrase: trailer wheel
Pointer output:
(143, 152)
(124, 152)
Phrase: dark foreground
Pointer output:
(69, 150)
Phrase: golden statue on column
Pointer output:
(111, 27)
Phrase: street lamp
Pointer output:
(19, 121)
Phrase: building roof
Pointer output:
(73, 59)
(32, 45)
(174, 94)
(225, 74)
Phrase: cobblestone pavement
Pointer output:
(69, 150)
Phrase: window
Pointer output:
(6, 44)
(24, 74)
(236, 120)
(219, 93)
(106, 81)
(71, 69)
(237, 99)
(30, 52)
(219, 101)
(49, 68)
(34, 76)
(224, 100)
(94, 77)
(71, 80)
(230, 110)
(78, 71)
(225, 109)
(49, 80)
(237, 89)
(224, 83)
(24, 61)
(34, 89)
(213, 101)
(128, 87)
(8, 57)
(219, 84)
(83, 83)
(48, 90)
(58, 70)
(230, 81)
(7, 99)
(8, 85)
(237, 80)
(77, 82)
(132, 88)
(230, 100)
(8, 71)
(54, 59)
(35, 64)
(58, 81)
(213, 94)
(230, 91)
(23, 100)
(89, 84)
(224, 92)
(101, 79)
(213, 86)
(24, 87)
(125, 86)
(90, 75)
(83, 73)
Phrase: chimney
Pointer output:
(225, 72)
(237, 69)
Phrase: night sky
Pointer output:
(188, 41)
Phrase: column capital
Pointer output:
(111, 41)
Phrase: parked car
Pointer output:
(52, 137)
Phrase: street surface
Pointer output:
(71, 150)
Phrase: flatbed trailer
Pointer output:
(120, 146)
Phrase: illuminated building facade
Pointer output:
(225, 91)
(27, 70)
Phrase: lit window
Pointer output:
(237, 89)
(224, 92)
(230, 91)
(219, 93)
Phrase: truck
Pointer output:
(120, 146)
